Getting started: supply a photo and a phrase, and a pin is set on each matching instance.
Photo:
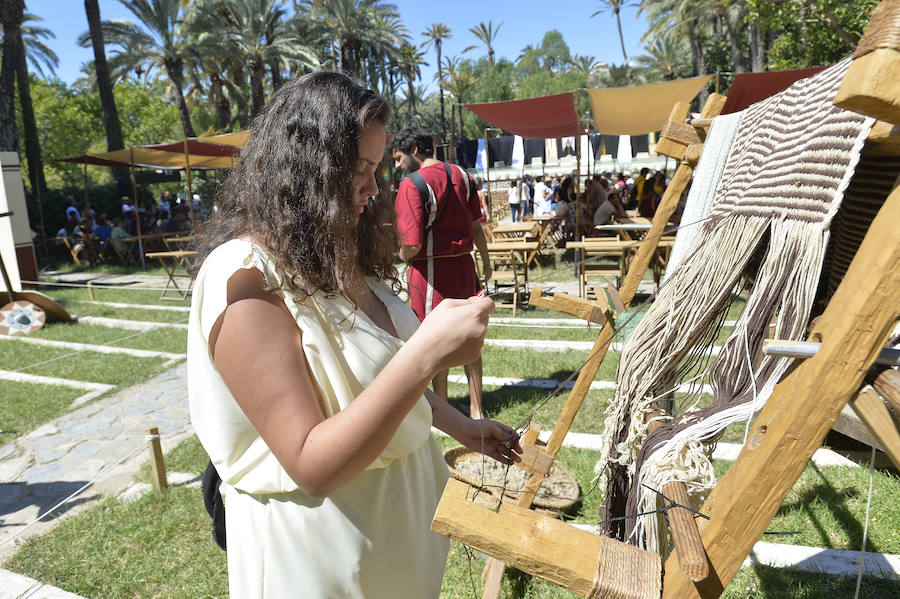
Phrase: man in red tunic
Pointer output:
(437, 237)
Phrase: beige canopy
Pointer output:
(640, 109)
(159, 159)
(236, 139)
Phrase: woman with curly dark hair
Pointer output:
(307, 375)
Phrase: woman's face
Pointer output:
(371, 150)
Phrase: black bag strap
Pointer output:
(212, 499)
(422, 187)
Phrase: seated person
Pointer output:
(116, 234)
(102, 231)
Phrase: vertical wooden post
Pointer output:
(137, 212)
(190, 191)
(90, 288)
(157, 466)
(487, 175)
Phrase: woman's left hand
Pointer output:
(493, 439)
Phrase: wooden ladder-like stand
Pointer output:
(788, 430)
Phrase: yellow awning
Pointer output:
(236, 139)
(641, 108)
(159, 159)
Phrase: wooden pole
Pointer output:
(487, 173)
(157, 466)
(137, 212)
(683, 528)
(40, 203)
(190, 193)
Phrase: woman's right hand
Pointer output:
(453, 333)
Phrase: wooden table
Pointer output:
(593, 248)
(520, 230)
(525, 248)
(551, 228)
(170, 261)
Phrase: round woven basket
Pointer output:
(559, 492)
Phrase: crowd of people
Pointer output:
(93, 236)
(604, 197)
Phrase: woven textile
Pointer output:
(707, 177)
(782, 184)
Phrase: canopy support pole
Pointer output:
(137, 212)
(187, 169)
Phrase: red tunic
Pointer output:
(449, 261)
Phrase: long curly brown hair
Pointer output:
(292, 188)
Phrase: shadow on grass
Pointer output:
(835, 501)
(15, 497)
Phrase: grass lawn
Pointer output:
(116, 550)
(160, 545)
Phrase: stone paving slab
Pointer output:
(42, 468)
(16, 586)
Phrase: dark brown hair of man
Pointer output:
(292, 188)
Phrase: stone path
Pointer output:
(40, 469)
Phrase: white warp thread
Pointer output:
(706, 179)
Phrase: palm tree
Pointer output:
(436, 34)
(458, 84)
(104, 83)
(675, 19)
(614, 6)
(583, 65)
(410, 62)
(11, 15)
(162, 40)
(486, 34)
(33, 50)
(251, 29)
(665, 58)
(354, 24)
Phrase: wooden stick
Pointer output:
(157, 466)
(870, 408)
(683, 527)
(595, 312)
(887, 383)
(807, 349)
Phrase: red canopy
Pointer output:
(88, 159)
(749, 88)
(534, 118)
(195, 147)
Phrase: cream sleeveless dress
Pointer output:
(371, 537)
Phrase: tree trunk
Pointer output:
(437, 45)
(737, 56)
(257, 70)
(177, 79)
(243, 109)
(411, 96)
(348, 63)
(699, 61)
(104, 85)
(11, 12)
(621, 39)
(32, 143)
(220, 102)
(757, 49)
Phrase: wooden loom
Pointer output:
(788, 430)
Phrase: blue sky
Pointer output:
(524, 22)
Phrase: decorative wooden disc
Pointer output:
(20, 318)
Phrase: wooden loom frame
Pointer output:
(790, 427)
